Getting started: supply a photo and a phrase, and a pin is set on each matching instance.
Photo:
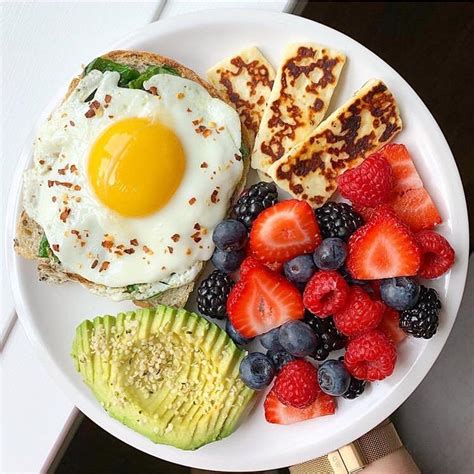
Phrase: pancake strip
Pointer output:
(303, 88)
(246, 81)
(361, 126)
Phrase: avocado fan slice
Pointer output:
(166, 373)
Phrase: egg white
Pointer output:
(63, 144)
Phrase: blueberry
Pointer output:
(330, 254)
(270, 340)
(280, 358)
(235, 335)
(227, 262)
(230, 235)
(333, 378)
(299, 269)
(400, 293)
(256, 370)
(297, 338)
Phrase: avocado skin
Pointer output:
(208, 363)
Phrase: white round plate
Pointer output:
(50, 313)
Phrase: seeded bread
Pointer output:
(29, 233)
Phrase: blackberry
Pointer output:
(422, 320)
(338, 219)
(327, 336)
(212, 294)
(356, 387)
(254, 200)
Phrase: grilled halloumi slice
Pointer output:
(304, 84)
(246, 80)
(361, 126)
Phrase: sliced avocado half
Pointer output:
(169, 374)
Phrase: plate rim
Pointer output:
(365, 422)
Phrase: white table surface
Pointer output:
(42, 46)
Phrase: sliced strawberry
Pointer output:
(409, 199)
(390, 326)
(283, 231)
(383, 248)
(277, 412)
(262, 300)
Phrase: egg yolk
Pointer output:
(135, 166)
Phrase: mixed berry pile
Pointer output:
(342, 277)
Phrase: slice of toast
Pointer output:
(29, 233)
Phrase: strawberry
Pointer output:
(284, 231)
(409, 199)
(277, 412)
(383, 248)
(262, 300)
(390, 326)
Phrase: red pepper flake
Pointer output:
(78, 199)
(202, 128)
(77, 187)
(237, 157)
(147, 250)
(62, 171)
(197, 122)
(188, 251)
(107, 98)
(204, 164)
(134, 242)
(129, 251)
(41, 162)
(53, 199)
(170, 249)
(104, 266)
(107, 244)
(220, 129)
(188, 110)
(72, 123)
(175, 237)
(118, 252)
(90, 113)
(153, 90)
(73, 168)
(197, 226)
(206, 133)
(180, 95)
(214, 197)
(196, 237)
(76, 232)
(50, 183)
(110, 116)
(55, 247)
(192, 201)
(95, 104)
(65, 214)
(163, 268)
(121, 246)
(94, 264)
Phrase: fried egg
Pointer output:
(129, 185)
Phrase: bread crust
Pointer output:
(29, 233)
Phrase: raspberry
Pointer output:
(370, 356)
(326, 293)
(296, 384)
(437, 254)
(369, 184)
(361, 313)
